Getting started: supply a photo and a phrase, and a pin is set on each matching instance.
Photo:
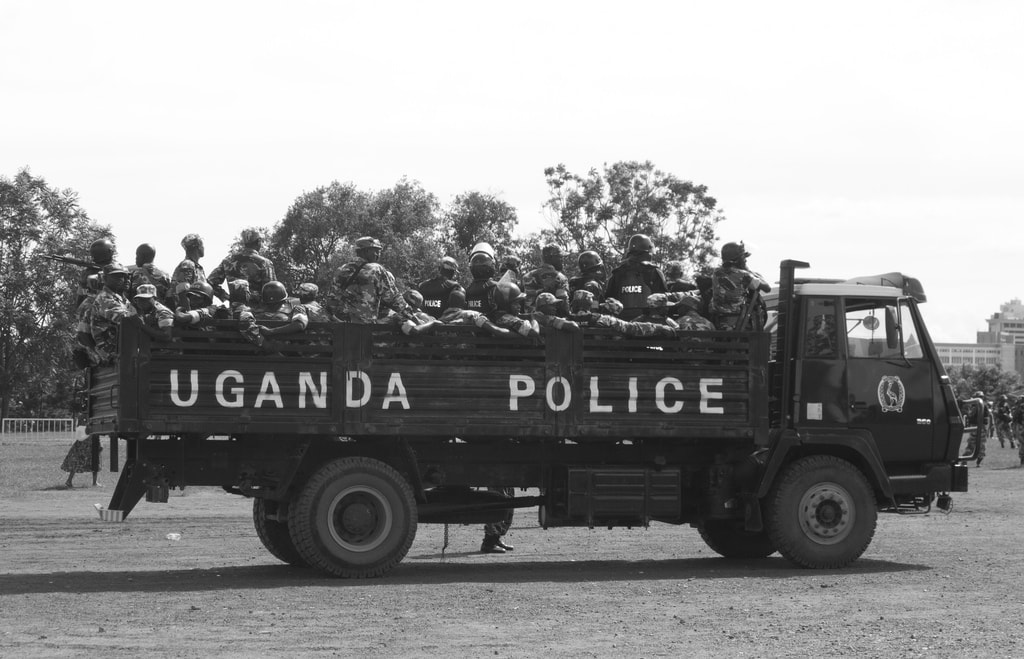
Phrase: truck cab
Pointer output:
(855, 370)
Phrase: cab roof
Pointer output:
(890, 284)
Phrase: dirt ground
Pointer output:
(70, 585)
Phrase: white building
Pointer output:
(1002, 345)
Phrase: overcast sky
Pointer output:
(861, 137)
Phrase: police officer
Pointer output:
(735, 292)
(591, 269)
(275, 306)
(438, 291)
(636, 278)
(363, 288)
(677, 283)
(482, 268)
(189, 271)
(109, 309)
(156, 319)
(144, 272)
(247, 264)
(548, 277)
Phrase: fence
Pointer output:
(11, 426)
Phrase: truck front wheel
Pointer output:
(821, 513)
(728, 538)
(356, 518)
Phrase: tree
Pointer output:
(37, 318)
(601, 210)
(991, 380)
(320, 228)
(475, 217)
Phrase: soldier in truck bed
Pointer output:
(144, 272)
(438, 291)
(246, 264)
(189, 271)
(633, 280)
(733, 289)
(362, 290)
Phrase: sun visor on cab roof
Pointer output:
(910, 286)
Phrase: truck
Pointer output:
(787, 440)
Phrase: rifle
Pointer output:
(69, 260)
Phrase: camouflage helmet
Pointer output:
(145, 290)
(368, 242)
(510, 262)
(273, 292)
(191, 240)
(544, 299)
(307, 290)
(689, 302)
(978, 394)
(674, 269)
(505, 295)
(582, 301)
(551, 249)
(114, 268)
(101, 251)
(639, 244)
(413, 298)
(734, 252)
(251, 238)
(589, 260)
(447, 265)
(203, 290)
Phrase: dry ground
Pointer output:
(70, 585)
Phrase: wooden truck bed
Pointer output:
(359, 380)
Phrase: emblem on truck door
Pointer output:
(891, 394)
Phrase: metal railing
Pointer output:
(13, 425)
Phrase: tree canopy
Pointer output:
(37, 295)
(600, 210)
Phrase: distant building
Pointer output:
(1005, 325)
(1002, 345)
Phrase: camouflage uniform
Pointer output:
(108, 310)
(546, 279)
(683, 307)
(187, 273)
(980, 418)
(246, 264)
(731, 286)
(1004, 421)
(360, 289)
(148, 273)
(307, 293)
(158, 317)
(1017, 415)
(630, 328)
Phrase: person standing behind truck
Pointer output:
(735, 292)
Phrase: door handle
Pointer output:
(858, 405)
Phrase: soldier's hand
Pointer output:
(657, 300)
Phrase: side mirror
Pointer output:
(892, 329)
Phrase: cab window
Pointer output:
(911, 336)
(820, 340)
(872, 329)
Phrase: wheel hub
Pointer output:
(359, 518)
(825, 513)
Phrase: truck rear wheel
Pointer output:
(728, 538)
(355, 518)
(822, 512)
(274, 534)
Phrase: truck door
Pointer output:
(889, 381)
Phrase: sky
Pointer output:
(861, 138)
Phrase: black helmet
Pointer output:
(589, 260)
(101, 251)
(506, 294)
(734, 252)
(639, 245)
(202, 289)
(273, 292)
